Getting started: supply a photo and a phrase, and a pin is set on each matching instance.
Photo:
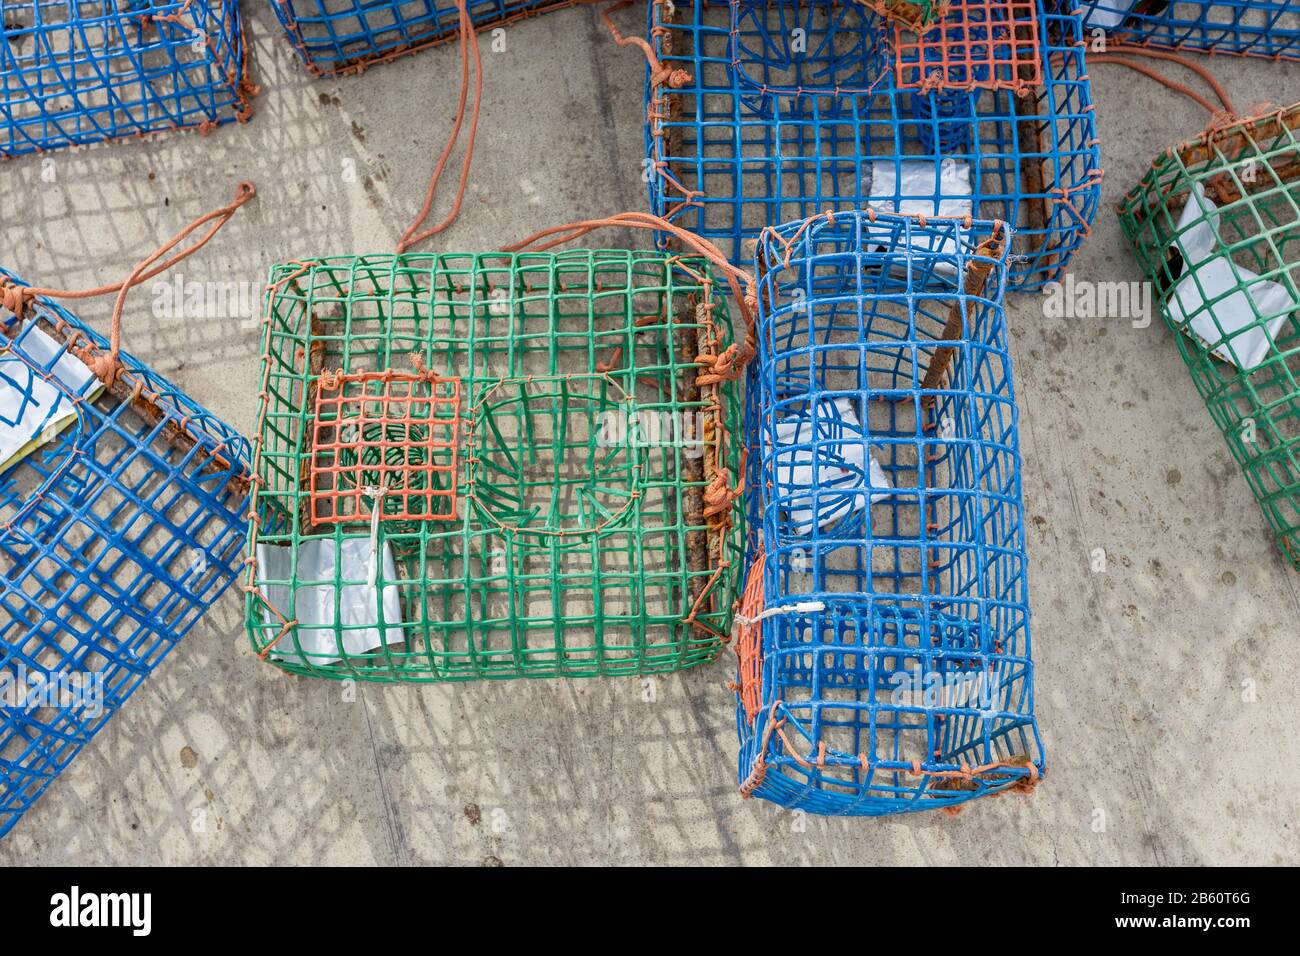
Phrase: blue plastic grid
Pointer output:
(1246, 27)
(893, 658)
(339, 36)
(115, 536)
(794, 107)
(74, 72)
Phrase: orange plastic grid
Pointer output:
(749, 637)
(978, 44)
(386, 435)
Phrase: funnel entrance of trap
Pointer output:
(556, 458)
(805, 46)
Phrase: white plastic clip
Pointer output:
(799, 607)
(377, 496)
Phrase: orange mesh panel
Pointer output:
(389, 435)
(749, 638)
(979, 44)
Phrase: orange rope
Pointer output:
(746, 300)
(749, 637)
(1177, 87)
(18, 298)
(659, 74)
(468, 50)
(967, 773)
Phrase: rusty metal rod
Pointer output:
(977, 274)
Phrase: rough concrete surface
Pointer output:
(1165, 684)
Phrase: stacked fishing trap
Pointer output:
(75, 72)
(494, 466)
(1215, 224)
(1246, 27)
(345, 36)
(884, 627)
(123, 510)
(763, 112)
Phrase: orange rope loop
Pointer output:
(468, 50)
(17, 299)
(659, 74)
(746, 300)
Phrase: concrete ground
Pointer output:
(1166, 684)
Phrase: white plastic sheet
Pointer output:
(316, 609)
(1107, 14)
(917, 187)
(1208, 274)
(32, 410)
(828, 449)
(911, 186)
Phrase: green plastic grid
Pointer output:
(583, 544)
(1215, 224)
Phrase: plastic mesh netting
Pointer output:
(336, 36)
(989, 44)
(121, 522)
(912, 13)
(74, 72)
(1251, 27)
(384, 432)
(1215, 224)
(495, 465)
(885, 657)
(766, 112)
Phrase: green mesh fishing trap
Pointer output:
(494, 466)
(1215, 224)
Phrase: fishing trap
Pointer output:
(495, 466)
(348, 36)
(1215, 225)
(883, 638)
(74, 72)
(123, 510)
(1268, 28)
(760, 113)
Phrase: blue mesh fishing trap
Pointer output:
(793, 107)
(1249, 27)
(116, 534)
(74, 72)
(337, 36)
(884, 648)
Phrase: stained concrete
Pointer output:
(1165, 683)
